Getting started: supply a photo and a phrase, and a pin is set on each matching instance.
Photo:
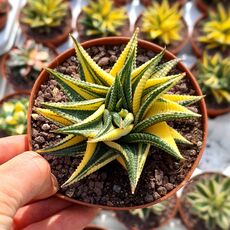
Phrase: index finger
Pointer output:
(12, 146)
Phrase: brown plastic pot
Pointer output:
(182, 211)
(142, 44)
(149, 2)
(93, 227)
(53, 40)
(4, 16)
(212, 112)
(171, 216)
(9, 97)
(124, 30)
(176, 50)
(3, 68)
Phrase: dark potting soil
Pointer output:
(153, 221)
(110, 185)
(39, 33)
(122, 31)
(195, 223)
(209, 98)
(171, 47)
(197, 32)
(213, 3)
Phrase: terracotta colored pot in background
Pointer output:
(170, 216)
(183, 214)
(3, 68)
(9, 97)
(178, 48)
(45, 39)
(212, 112)
(149, 2)
(142, 44)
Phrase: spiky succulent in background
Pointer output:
(28, 60)
(214, 77)
(118, 115)
(217, 29)
(210, 201)
(44, 14)
(102, 18)
(144, 213)
(13, 116)
(162, 22)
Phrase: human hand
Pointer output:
(26, 183)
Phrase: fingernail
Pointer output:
(55, 182)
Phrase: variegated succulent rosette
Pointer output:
(118, 115)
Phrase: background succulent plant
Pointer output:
(162, 22)
(28, 60)
(117, 115)
(216, 30)
(13, 116)
(44, 14)
(210, 201)
(102, 18)
(156, 209)
(214, 72)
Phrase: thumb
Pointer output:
(24, 178)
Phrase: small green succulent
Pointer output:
(217, 29)
(214, 77)
(210, 201)
(144, 213)
(44, 14)
(13, 116)
(28, 60)
(162, 22)
(102, 18)
(118, 115)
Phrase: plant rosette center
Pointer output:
(117, 115)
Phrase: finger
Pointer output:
(12, 146)
(74, 217)
(38, 211)
(24, 178)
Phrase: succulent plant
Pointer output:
(13, 116)
(144, 213)
(44, 14)
(102, 18)
(217, 29)
(214, 72)
(117, 115)
(162, 22)
(210, 201)
(4, 5)
(28, 60)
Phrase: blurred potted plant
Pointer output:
(46, 21)
(171, 2)
(212, 33)
(213, 76)
(13, 114)
(22, 65)
(149, 218)
(100, 18)
(96, 115)
(206, 5)
(164, 25)
(205, 202)
(4, 9)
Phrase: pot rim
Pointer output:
(144, 44)
(94, 227)
(171, 216)
(202, 6)
(183, 41)
(191, 181)
(5, 58)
